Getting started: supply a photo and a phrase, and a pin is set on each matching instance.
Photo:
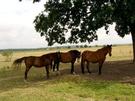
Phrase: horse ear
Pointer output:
(109, 45)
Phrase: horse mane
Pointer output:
(73, 51)
(107, 46)
(104, 48)
(101, 48)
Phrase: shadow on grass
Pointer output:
(120, 71)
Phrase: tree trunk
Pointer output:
(133, 41)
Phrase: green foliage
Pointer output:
(85, 46)
(7, 54)
(83, 18)
(124, 16)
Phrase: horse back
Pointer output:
(36, 61)
(65, 57)
(91, 56)
(52, 56)
(31, 60)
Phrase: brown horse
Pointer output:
(98, 56)
(68, 57)
(37, 61)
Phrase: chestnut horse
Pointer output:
(98, 56)
(68, 57)
(37, 61)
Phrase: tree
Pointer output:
(82, 18)
(33, 1)
(124, 16)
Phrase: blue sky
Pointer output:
(17, 28)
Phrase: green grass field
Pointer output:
(65, 87)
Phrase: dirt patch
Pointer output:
(121, 71)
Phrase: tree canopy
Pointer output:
(80, 19)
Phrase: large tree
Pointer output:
(82, 18)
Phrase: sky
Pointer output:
(17, 28)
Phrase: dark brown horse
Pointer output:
(98, 56)
(68, 57)
(37, 61)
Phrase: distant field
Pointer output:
(123, 52)
(115, 84)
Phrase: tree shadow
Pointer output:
(117, 71)
(120, 71)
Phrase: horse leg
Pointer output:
(72, 68)
(51, 65)
(47, 71)
(82, 66)
(100, 67)
(88, 67)
(54, 66)
(26, 71)
(58, 66)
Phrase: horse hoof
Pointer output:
(74, 73)
(83, 73)
(25, 81)
(58, 73)
(89, 72)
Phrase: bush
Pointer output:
(7, 54)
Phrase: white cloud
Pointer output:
(111, 38)
(16, 24)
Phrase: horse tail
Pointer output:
(17, 62)
(82, 62)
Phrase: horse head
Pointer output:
(75, 54)
(109, 49)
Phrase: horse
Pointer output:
(97, 56)
(68, 57)
(37, 61)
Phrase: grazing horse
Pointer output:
(37, 61)
(68, 57)
(98, 56)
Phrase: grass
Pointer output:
(63, 87)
